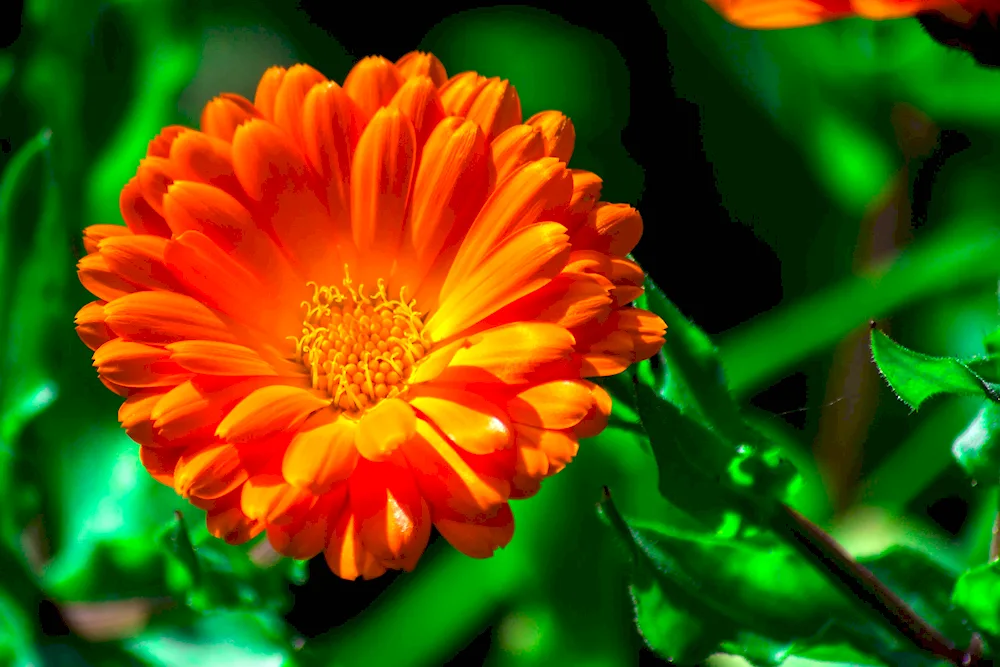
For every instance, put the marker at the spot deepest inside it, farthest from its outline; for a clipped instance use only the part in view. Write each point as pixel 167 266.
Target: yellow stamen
pixel 360 348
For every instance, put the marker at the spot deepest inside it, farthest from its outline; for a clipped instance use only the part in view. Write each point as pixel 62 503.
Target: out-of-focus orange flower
pixel 344 314
pixel 793 13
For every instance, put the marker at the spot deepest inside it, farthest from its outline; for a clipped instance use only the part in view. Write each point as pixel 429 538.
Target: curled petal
pixel 296 84
pixel 496 108
pixel 269 410
pixel 394 518
pixel 372 83
pixel 551 405
pixel 418 99
pixel 267 90
pixel 480 538
pixel 346 555
pixel 226 520
pixel 597 418
pixel 223 114
pixel 94 234
pixel 460 91
pixel 321 453
pixel 558 133
pixel 90 326
pixel 515 147
pixel 418 63
pixel 469 421
pixel 139 216
pixel 384 427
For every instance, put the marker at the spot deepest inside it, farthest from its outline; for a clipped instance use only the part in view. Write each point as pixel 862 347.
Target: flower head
pixel 344 314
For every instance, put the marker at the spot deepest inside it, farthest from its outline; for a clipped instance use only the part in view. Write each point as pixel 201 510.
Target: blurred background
pixel 794 185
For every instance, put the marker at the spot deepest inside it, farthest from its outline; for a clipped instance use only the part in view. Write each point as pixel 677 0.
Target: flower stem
pixel 860 582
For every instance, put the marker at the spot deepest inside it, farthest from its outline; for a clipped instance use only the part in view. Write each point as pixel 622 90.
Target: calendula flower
pixel 793 13
pixel 344 314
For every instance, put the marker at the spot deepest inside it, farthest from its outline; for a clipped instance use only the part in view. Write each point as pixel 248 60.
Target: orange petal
pixel 383 428
pixel 792 13
pixel 447 479
pixel 164 317
pixel 207 357
pixel 586 193
pixel 116 388
pixel 371 83
pixel 98 278
pixel 478 539
pixel 418 63
pixel 467 420
pixel 207 210
pixel 139 260
pixel 628 278
pixel 645 328
pixel 321 453
pixel 597 418
pixel 516 203
pixel 160 463
pixel 90 326
pixel 513 353
pixel 346 555
pixel 451 185
pixel 267 90
pixel 558 133
pixel 136 365
pixel 394 518
pixel 216 279
pixel 569 300
pixel 331 127
pixel 418 99
pixel 195 408
pixel 381 176
pixel 309 533
pixel 138 407
pixel 94 234
pixel 610 228
pixel 209 471
pixel 198 157
pixel 139 216
pixel 268 498
pixel 298 81
pixel 223 114
pixel 274 173
pixel 226 520
pixel 160 145
pixel 269 410
pixel 552 405
pixel 559 446
pixel 460 91
pixel 155 176
pixel 610 355
pixel 496 108
pixel 436 361
pixel 515 147
pixel 531 467
pixel 524 262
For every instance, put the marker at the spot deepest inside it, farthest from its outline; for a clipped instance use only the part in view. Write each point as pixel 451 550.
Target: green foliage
pixel 977 593
pixel 916 377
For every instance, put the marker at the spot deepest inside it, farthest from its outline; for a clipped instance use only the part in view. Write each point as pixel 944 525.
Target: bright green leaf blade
pixel 977 448
pixel 673 622
pixel 692 377
pixel 977 593
pixel 16 634
pixel 916 377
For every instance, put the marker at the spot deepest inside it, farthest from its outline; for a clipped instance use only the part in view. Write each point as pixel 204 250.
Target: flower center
pixel 360 348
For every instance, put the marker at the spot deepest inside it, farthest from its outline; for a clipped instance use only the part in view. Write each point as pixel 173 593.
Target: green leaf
pixel 16 635
pixel 977 448
pixel 673 622
pixel 215 640
pixel 175 537
pixel 916 377
pixel 977 593
pixel 691 376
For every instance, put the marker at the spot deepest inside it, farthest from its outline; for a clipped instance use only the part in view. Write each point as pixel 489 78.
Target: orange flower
pixel 793 13
pixel 343 314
